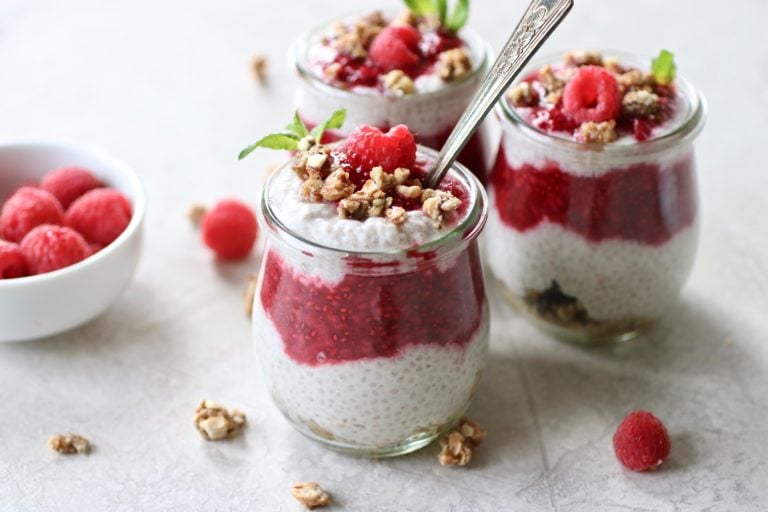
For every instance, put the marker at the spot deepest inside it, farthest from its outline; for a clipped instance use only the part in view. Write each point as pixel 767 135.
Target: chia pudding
pixel 370 319
pixel 388 70
pixel 593 220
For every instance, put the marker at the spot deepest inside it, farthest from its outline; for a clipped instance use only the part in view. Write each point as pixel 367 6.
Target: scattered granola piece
pixel 214 421
pixel 353 209
pixel 453 64
pixel 641 103
pixel 337 186
pixel 195 213
pixel 634 78
pixel 549 80
pixel 472 431
pixel 69 443
pixel 601 133
pixel 311 495
pixel 523 95
pixel 401 174
pixel 332 71
pixel 259 68
pixel 312 162
pixel 435 203
pixel 583 58
pixel 406 17
pixel 613 65
pixel 410 192
pixel 398 83
pixel 311 189
pixel 396 215
pixel 250 294
pixel 458 445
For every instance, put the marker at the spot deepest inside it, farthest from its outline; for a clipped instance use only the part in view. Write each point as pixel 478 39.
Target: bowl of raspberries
pixel 70 236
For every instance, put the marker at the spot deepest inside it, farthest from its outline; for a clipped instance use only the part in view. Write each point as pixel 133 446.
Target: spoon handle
pixel 539 21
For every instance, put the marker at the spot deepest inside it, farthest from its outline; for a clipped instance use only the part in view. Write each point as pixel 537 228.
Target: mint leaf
pixel 334 122
pixel 287 141
pixel 442 11
pixel 663 68
pixel 459 16
pixel 297 126
pixel 421 7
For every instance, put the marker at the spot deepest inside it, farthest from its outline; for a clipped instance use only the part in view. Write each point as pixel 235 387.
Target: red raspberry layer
pixel 365 317
pixel 641 203
pixel 48 248
pixel 230 229
pixel 592 95
pixel 367 147
pixel 100 215
pixel 641 442
pixel 12 261
pixel 26 209
pixel 69 183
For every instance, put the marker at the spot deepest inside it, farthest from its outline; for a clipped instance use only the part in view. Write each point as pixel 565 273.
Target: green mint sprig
pixel 663 68
pixel 296 131
pixel 451 21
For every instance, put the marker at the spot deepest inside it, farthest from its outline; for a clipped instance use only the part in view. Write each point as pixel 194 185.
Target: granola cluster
pixel 636 91
pixel 458 445
pixel 353 39
pixel 214 421
pixel 324 180
pixel 69 444
pixel 311 495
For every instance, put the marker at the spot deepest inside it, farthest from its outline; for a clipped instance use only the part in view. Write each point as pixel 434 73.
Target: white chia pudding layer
pixel 372 403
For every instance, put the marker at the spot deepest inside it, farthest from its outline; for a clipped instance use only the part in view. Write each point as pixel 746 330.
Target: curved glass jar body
pixel 372 353
pixel 430 116
pixel 594 242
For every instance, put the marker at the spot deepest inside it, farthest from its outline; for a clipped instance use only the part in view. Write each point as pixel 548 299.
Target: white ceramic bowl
pixel 47 304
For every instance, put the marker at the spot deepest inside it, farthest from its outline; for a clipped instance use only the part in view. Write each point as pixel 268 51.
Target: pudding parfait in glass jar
pixel 370 318
pixel 420 69
pixel 594 219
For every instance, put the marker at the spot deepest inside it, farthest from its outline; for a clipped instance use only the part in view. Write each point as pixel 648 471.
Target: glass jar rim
pixel 687 128
pixel 298 53
pixel 454 239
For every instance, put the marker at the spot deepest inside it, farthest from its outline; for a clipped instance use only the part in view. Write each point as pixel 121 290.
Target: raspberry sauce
pixel 640 203
pixel 373 316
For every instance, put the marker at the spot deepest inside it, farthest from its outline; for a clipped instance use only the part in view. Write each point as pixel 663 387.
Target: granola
pixel 69 444
pixel 459 444
pixel 259 68
pixel 601 133
pixel 311 495
pixel 641 103
pixel 214 421
pixel 453 64
pixel 398 83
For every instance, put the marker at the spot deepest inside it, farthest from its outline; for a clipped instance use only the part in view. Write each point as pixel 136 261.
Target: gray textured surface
pixel 166 85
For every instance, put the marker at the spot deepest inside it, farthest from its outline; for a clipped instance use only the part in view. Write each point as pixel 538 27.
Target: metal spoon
pixel 540 19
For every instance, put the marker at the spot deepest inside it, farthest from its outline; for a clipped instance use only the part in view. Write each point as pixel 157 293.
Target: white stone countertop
pixel 166 85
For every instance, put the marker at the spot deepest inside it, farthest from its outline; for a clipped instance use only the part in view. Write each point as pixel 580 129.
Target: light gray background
pixel 166 86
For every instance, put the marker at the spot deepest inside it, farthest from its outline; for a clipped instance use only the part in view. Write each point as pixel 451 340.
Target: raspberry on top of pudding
pixel 595 99
pixel 363 193
pixel 417 51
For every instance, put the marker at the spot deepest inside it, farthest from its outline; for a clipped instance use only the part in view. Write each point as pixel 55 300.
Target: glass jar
pixel 430 116
pixel 372 353
pixel 594 242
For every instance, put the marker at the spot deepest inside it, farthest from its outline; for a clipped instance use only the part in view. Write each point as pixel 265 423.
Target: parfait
pixel 370 318
pixel 593 222
pixel 420 69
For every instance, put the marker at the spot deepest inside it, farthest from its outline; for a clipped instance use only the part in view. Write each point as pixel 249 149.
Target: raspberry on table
pixel 367 147
pixel 641 442
pixel 48 248
pixel 69 183
pixel 396 47
pixel 12 261
pixel 100 215
pixel 26 209
pixel 229 229
pixel 592 95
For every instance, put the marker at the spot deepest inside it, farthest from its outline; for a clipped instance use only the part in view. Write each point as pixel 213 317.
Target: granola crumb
pixel 550 81
pixel 69 444
pixel 398 83
pixel 459 444
pixel 641 103
pixel 337 186
pixel 600 133
pixel 311 495
pixel 396 215
pixel 249 295
pixel 435 203
pixel 214 421
pixel 195 213
pixel 453 64
pixel 583 58
pixel 259 68
pixel 634 78
pixel 523 95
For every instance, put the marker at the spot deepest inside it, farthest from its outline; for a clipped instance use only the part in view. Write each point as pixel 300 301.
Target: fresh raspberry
pixel 48 248
pixel 641 442
pixel 367 147
pixel 69 183
pixel 26 209
pixel 12 261
pixel 229 228
pixel 100 215
pixel 396 47
pixel 592 95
